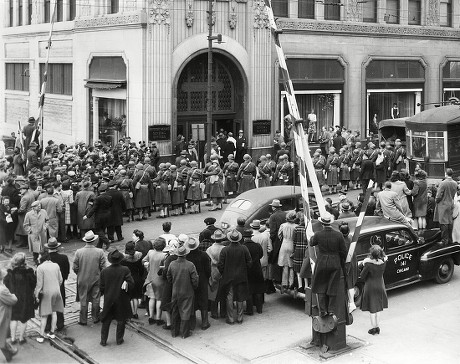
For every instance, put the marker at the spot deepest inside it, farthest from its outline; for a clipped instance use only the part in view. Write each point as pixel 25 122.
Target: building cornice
pixel 367 29
pixel 115 20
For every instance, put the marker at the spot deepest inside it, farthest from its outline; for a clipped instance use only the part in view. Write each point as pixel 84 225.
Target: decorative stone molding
pixel 367 29
pixel 108 21
pixel 85 8
pixel 189 16
pixel 159 12
pixel 260 15
pixel 432 16
pixel 354 10
pixel 232 16
pixel 130 5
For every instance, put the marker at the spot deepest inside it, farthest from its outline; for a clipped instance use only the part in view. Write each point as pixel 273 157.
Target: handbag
pixel 138 184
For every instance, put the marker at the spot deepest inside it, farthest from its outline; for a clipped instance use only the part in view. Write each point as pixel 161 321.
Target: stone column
pixel 293 9
pixel 403 12
pixel 381 11
pixel 337 109
pixel 38 13
pixel 418 100
pixel 25 12
pixel 66 10
pixel 15 13
pixel 319 11
pixel 95 118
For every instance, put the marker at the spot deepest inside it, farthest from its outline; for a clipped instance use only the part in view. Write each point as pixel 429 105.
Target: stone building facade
pixel 142 64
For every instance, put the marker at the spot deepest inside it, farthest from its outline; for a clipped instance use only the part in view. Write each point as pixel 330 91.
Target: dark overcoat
pixel 275 221
pixel 202 264
pixel 63 262
pixel 111 281
pixel 234 263
pixel 445 201
pixel 332 252
pixel 255 276
pixel 118 207
pixel 102 210
pixel 21 281
pixel 183 277
pixel 367 170
pixel 419 192
pixel 300 247
pixel 167 287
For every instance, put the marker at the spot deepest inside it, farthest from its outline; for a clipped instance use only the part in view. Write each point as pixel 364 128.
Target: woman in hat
pixel 344 162
pixel 162 190
pixel 133 260
pixel 286 235
pixel 216 185
pixel 67 198
pixel 154 282
pixel 48 292
pixel 300 254
pixel 7 301
pixel 194 192
pixel 230 170
pixel 420 199
pixel 8 222
pixel 218 238
pixel 142 199
pixel 351 268
pixel 84 200
pixel 374 294
pixel 177 192
pixel 202 264
pixel 170 251
pixel 246 174
pixel 21 281
pixel 332 169
pixel 127 190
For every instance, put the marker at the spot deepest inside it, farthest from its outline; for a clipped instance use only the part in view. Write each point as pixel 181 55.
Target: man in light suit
pixel 445 206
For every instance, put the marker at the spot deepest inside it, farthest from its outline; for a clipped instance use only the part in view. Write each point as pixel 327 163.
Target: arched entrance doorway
pixel 228 98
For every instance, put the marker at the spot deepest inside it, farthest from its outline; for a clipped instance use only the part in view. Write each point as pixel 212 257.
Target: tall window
pixel 114 6
pixel 59 10
pixel 47 11
pixel 414 12
pixel 332 10
pixel 392 12
pixel 11 13
pixel 20 14
pixel 73 9
pixel 307 9
pixel 29 21
pixel 59 78
pixel 280 8
pixel 370 11
pixel 16 76
pixel 445 13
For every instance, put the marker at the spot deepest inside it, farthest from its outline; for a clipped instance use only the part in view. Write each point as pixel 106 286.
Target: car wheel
pixel 358 295
pixel 445 270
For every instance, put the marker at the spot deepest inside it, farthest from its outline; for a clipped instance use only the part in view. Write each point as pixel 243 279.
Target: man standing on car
pixel 445 205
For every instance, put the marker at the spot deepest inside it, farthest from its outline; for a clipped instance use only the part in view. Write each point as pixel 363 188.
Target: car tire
pixel 444 270
pixel 358 294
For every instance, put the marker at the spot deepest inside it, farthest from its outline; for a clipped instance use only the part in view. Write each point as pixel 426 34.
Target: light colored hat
pixel 183 238
pixel 90 237
pixel 276 203
pixel 234 236
pixel 182 251
pixel 326 219
pixel 192 244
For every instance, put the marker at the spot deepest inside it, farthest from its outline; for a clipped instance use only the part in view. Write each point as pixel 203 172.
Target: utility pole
pixel 209 93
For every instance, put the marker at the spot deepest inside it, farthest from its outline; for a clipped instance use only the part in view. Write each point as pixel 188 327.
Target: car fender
pixel 429 258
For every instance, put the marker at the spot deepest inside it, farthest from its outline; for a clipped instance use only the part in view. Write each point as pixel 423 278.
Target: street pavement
pixel 420 325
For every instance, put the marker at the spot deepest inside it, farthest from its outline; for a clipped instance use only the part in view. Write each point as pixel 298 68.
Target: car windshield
pixel 241 204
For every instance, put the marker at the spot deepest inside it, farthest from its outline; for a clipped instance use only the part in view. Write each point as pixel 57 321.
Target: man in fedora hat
pixel 28 131
pixel 25 205
pixel 205 236
pixel 63 262
pixel 331 260
pixel 218 238
pixel 102 211
pixel 183 277
pixel 202 263
pixel 118 208
pixel 346 211
pixel 115 283
pixel 266 244
pixel 32 157
pixel 255 275
pixel 87 265
pixel 234 263
pixel 277 218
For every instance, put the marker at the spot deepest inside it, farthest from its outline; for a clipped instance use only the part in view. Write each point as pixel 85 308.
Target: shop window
pixel 414 12
pixel 370 11
pixel 428 145
pixel 280 8
pixel 419 144
pixel 47 9
pixel 59 10
pixel 307 9
pixel 11 14
pixel 107 68
pixel 392 12
pixel 114 6
pixel 445 13
pixel 16 76
pixel 436 145
pixel 306 70
pixel 59 78
pixel 451 70
pixel 332 10
pixel 393 69
pixel 73 9
pixel 29 13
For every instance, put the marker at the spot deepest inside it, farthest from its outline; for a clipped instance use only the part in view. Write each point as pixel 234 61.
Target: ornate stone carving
pixel 189 16
pixel 354 10
pixel 130 5
pixel 432 16
pixel 232 16
pixel 367 29
pixel 108 21
pixel 159 12
pixel 260 15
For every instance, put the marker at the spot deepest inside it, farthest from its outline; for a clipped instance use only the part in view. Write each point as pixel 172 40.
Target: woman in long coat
pixel 84 200
pixel 170 256
pixel 21 281
pixel 177 192
pixel 265 172
pixel 162 190
pixel 202 264
pixel 7 300
pixel 319 162
pixel 49 280
pixel 154 282
pixel 300 244
pixel 133 260
pixel 332 168
pixel 374 293
pixel 246 174
pixel 351 267
pixel 142 199
pixel 401 189
pixel 256 281
pixel 216 185
pixel 344 161
pixel 67 198
pixel 194 193
pixel 230 170
pixel 286 234
pixel 218 238
pixel 8 221
pixel 127 190
pixel 420 198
